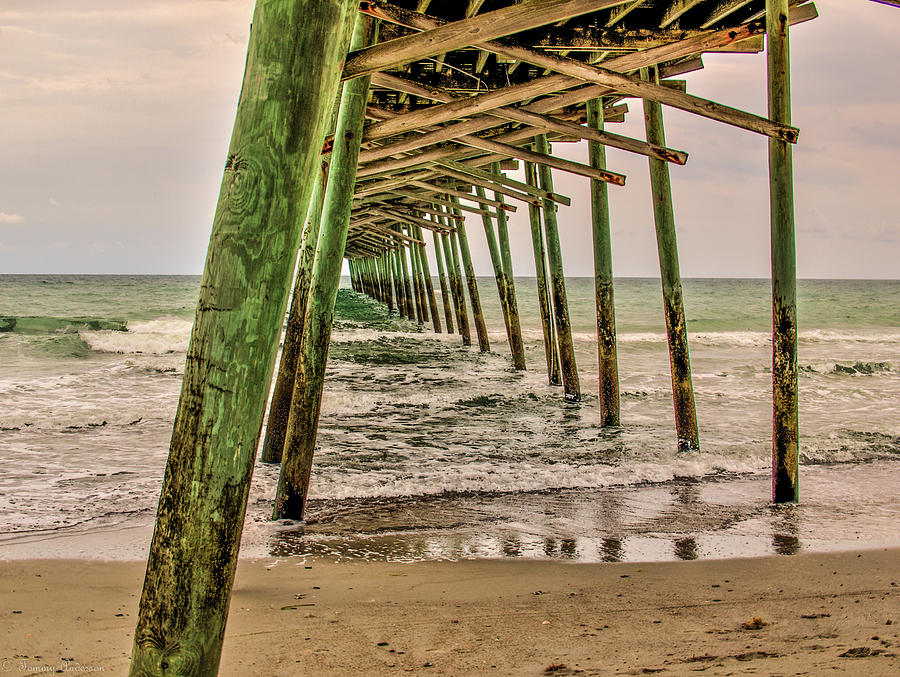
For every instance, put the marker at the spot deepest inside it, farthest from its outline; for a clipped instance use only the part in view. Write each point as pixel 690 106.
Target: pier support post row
pixel 300 438
pixel 463 317
pixel 571 385
pixel 429 284
pixel 442 279
pixel 398 283
pixel 292 72
pixel 667 245
pixel 785 416
pixel 540 266
pixel 280 406
pixel 484 344
pixel 603 277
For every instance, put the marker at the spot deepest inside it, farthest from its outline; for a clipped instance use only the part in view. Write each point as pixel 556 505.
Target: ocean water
pixel 431 450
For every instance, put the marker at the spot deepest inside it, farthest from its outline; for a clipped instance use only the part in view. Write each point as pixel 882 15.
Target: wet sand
pixel 806 614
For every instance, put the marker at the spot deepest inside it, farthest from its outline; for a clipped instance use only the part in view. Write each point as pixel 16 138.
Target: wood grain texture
pixel 290 81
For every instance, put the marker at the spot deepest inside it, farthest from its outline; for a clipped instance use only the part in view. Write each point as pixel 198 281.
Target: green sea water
pixel 414 425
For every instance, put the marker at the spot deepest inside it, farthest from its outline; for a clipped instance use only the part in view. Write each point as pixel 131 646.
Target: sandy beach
pixel 807 614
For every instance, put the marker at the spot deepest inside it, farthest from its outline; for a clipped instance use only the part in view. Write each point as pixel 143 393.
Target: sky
pixel 115 120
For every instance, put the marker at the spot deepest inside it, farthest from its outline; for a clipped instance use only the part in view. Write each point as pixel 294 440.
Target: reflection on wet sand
pixel 684 520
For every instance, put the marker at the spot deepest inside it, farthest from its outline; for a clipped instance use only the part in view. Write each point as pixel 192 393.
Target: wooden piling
pixel 540 266
pixel 785 399
pixel 603 277
pixel 296 464
pixel 667 245
pixel 398 283
pixel 418 296
pixel 420 271
pixel 571 385
pixel 515 329
pixel 499 274
pixel 388 281
pixel 484 344
pixel 429 284
pixel 442 279
pixel 291 77
pixel 412 306
pixel 463 318
pixel 280 406
pixel 451 278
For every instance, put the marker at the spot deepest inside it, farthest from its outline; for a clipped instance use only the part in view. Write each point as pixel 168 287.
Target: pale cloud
pixel 5 217
pixel 122 111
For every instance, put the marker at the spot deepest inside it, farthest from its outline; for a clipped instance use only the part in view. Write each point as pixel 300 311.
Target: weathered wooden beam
pixel 446 190
pixel 675 9
pixel 289 84
pixel 435 200
pixel 624 63
pixel 551 351
pixel 571 385
pixel 460 34
pixel 630 85
pixel 785 394
pixel 652 91
pixel 678 68
pixel 496 187
pixel 688 438
pixel 608 369
pixel 541 123
pixel 548 160
pixel 502 179
pixel 300 438
pixel 721 10
pixel 620 12
pixel 407 218
pixel 384 230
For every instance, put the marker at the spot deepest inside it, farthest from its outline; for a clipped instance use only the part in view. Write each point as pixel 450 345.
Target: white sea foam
pixel 159 336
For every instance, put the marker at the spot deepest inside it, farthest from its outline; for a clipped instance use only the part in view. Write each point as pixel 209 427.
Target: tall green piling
pixel 673 303
pixel 415 259
pixel 458 292
pixel 293 64
pixel 484 345
pixel 398 283
pixel 280 406
pixel 296 463
pixel 785 397
pixel 442 279
pixel 603 277
pixel 571 385
pixel 452 281
pixel 540 266
pixel 412 305
pixel 388 281
pixel 429 284
pixel 515 329
pixel 499 272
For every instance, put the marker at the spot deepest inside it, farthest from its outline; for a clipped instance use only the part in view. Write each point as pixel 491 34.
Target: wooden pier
pixel 360 126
